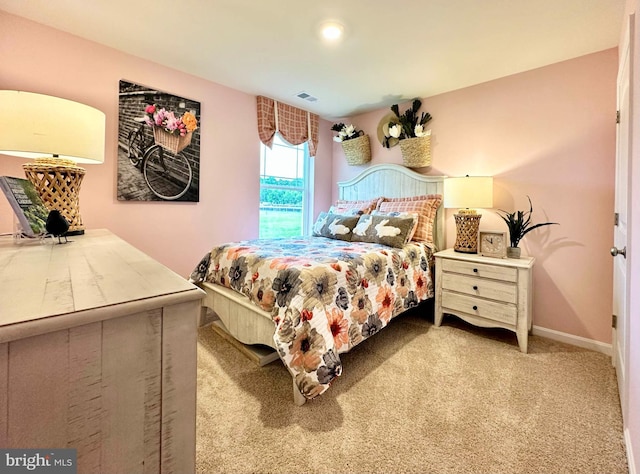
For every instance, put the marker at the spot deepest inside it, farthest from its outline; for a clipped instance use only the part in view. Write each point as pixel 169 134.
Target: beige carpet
pixel 415 398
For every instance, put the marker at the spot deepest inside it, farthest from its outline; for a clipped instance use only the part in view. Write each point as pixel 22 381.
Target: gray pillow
pixel 335 226
pixel 381 229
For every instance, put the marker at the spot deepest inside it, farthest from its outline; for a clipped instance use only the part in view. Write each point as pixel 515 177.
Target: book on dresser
pixel 26 204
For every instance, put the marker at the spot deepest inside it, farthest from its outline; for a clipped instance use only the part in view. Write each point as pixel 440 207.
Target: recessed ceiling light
pixel 331 31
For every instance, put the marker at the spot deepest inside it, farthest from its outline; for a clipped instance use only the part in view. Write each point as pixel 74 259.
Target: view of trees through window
pixel 283 189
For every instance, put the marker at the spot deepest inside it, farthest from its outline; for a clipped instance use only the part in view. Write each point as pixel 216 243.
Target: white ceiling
pixel 392 50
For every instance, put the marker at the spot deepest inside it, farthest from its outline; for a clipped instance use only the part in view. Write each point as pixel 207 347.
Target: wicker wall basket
pixel 172 142
pixel 357 150
pixel 416 152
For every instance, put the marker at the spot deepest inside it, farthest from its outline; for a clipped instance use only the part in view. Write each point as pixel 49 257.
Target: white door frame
pixel 621 286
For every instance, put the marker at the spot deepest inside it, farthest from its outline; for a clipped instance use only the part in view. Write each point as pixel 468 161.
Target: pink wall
pixel 550 134
pixel 39 59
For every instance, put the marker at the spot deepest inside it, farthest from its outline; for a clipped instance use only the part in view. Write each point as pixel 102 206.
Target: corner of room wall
pixel 547 134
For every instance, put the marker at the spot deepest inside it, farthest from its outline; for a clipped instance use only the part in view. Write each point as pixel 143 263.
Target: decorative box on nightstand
pixel 486 291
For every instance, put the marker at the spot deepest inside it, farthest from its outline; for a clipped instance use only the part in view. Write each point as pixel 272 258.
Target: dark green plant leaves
pixel 519 223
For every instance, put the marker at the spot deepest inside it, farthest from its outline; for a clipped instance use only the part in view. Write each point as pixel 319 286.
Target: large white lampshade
pixel 58 134
pixel 467 194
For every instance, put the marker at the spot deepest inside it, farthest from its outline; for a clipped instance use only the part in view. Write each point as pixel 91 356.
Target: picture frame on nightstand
pixel 492 243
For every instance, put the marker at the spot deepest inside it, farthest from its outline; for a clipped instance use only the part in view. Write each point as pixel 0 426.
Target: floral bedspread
pixel 324 295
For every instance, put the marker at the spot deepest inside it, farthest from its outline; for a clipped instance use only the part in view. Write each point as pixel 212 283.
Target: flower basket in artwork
pixel 170 132
pixel 357 151
pixel 416 152
pixel 172 142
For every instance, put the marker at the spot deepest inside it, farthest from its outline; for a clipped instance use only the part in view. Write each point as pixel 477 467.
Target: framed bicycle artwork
pixel 158 145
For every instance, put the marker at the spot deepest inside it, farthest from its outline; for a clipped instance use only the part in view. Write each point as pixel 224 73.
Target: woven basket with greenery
pixel 357 150
pixel 416 152
pixel 171 141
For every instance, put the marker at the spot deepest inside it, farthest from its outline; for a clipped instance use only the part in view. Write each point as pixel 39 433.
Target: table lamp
pixel 467 194
pixel 58 134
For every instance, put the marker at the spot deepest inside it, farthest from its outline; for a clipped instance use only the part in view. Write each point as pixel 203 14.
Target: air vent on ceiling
pixel 307 97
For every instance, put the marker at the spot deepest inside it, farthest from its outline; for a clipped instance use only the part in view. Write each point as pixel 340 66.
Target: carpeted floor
pixel 415 398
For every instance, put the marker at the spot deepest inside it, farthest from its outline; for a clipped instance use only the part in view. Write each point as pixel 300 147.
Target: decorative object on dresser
pixel 355 143
pixel 466 194
pixel 58 133
pixel 57 225
pixel 486 292
pixel 492 243
pixel 31 214
pixel 408 130
pixel 98 353
pixel 519 225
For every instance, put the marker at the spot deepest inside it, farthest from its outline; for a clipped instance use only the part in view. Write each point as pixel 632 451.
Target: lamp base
pixel 467 232
pixel 58 184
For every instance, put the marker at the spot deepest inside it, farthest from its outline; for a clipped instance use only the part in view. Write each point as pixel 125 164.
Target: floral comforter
pixel 324 295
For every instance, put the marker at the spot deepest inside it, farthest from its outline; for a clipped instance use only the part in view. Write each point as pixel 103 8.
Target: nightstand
pixel 485 291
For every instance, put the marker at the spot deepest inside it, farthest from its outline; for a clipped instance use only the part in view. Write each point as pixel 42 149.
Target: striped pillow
pixel 425 206
pixel 364 206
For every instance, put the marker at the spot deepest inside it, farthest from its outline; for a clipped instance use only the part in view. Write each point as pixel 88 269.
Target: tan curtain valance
pixel 295 125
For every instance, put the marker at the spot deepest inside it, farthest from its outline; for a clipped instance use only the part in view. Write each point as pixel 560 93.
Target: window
pixel 286 190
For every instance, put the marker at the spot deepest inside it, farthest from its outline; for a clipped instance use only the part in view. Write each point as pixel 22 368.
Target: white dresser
pixel 98 353
pixel 485 291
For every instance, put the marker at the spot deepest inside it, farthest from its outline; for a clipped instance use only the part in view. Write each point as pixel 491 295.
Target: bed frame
pixel 250 325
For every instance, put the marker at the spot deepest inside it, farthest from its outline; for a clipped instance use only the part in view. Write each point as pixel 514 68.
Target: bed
pixel 313 298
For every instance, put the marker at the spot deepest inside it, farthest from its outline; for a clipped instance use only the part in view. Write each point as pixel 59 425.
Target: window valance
pixel 295 125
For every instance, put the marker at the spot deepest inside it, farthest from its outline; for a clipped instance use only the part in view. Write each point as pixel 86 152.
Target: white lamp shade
pixel 37 125
pixel 473 192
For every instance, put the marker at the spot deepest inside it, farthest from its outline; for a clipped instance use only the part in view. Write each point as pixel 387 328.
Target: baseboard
pixel 627 444
pixel 573 340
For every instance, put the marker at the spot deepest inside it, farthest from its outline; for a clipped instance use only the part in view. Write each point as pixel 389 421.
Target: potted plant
pixel 408 130
pixel 355 143
pixel 519 224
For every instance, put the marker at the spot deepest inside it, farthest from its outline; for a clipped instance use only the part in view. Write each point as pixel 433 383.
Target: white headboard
pixel 391 180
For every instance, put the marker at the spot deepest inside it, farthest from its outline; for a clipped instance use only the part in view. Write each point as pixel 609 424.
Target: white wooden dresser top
pixel 97 276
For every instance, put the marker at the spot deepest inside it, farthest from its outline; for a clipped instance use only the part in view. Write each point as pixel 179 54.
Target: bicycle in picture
pixel 165 168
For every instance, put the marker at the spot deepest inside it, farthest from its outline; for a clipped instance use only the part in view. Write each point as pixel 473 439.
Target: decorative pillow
pixel 355 207
pixel 320 222
pixel 335 226
pixel 425 206
pixel 413 215
pixel 380 229
pixel 343 211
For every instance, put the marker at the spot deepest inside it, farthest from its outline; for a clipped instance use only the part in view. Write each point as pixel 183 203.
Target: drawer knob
pixel 475 308
pixel 475 270
pixel 475 287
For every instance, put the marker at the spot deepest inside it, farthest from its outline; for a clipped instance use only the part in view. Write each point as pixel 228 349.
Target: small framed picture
pixel 492 243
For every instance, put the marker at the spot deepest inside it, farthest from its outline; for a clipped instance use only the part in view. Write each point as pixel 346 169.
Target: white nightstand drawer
pixel 495 290
pixel 481 270
pixel 506 313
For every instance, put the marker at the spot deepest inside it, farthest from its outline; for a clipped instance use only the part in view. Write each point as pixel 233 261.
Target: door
pixel 622 176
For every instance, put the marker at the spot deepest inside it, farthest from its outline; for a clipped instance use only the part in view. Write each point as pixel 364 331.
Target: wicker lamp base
pixel 58 184
pixel 467 232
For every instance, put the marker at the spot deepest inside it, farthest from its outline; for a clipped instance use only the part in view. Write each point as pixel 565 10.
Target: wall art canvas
pixel 158 145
